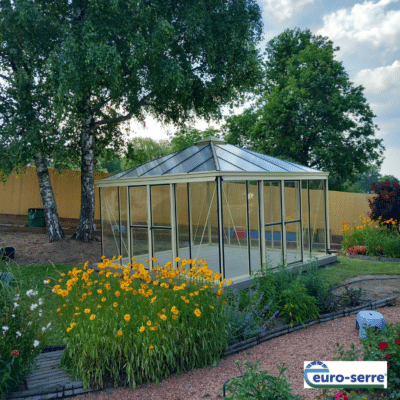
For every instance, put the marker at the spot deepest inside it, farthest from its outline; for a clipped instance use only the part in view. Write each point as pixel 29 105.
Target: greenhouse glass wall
pixel 237 209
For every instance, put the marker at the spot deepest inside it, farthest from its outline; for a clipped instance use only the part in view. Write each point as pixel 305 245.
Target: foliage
pixel 376 240
pixel 259 385
pixel 250 320
pixel 139 326
pixel 23 329
pixel 357 250
pixel 141 150
pixel 385 206
pixel 297 114
pixel 379 344
pixel 187 137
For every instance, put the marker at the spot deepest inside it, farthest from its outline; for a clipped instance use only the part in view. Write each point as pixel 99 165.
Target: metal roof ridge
pixel 216 163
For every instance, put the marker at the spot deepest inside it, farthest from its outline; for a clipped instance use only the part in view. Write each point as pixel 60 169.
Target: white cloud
pixel 364 23
pixel 391 164
pixel 283 9
pixel 379 79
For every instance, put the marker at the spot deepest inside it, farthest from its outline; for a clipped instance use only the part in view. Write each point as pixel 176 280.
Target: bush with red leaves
pixel 385 207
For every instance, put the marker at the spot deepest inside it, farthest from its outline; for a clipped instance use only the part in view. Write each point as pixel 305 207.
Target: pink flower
pixel 15 353
pixel 341 395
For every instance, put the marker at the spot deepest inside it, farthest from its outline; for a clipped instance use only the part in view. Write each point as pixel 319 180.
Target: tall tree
pixel 170 59
pixel 310 111
pixel 142 150
pixel 186 137
pixel 28 129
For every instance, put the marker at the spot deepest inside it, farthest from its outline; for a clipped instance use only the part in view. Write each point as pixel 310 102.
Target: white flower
pixel 16 298
pixel 44 329
pixel 40 302
pixel 33 306
pixel 13 315
pixel 48 325
pixel 46 282
pixel 35 343
pixel 15 305
pixel 18 333
pixel 53 290
pixel 40 313
pixel 5 328
pixel 29 323
pixel 30 293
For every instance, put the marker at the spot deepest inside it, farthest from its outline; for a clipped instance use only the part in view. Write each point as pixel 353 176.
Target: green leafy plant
pixel 380 344
pixel 296 305
pixel 143 326
pixel 259 385
pixel 21 331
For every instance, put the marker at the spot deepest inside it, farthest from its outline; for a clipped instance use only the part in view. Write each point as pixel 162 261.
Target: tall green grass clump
pixel 143 326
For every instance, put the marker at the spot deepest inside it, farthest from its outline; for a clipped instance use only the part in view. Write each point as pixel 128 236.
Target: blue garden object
pixel 6 277
pixel 369 318
pixel 116 227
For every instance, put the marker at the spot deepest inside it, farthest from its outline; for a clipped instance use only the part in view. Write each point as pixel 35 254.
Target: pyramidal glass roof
pixel 211 154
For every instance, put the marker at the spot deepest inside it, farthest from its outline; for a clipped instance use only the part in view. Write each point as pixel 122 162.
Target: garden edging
pixel 283 330
pixel 75 388
pixel 369 258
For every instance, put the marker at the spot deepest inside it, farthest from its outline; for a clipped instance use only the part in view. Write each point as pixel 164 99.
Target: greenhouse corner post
pixel 301 220
pixel 309 218
pixel 327 228
pixel 283 219
pixel 149 226
pixel 220 228
pixel 248 228
pixel 261 217
pixel 172 195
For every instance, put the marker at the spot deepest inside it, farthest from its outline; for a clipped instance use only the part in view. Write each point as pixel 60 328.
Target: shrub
pixel 22 332
pixel 144 326
pixel 385 207
pixel 357 250
pixel 259 385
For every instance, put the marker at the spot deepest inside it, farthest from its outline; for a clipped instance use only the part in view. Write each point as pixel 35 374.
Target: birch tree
pixel 170 59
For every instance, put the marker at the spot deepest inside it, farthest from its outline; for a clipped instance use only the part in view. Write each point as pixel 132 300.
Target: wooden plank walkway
pixel 48 381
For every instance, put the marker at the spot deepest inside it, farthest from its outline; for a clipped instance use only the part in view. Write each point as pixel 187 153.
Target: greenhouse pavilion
pixel 237 209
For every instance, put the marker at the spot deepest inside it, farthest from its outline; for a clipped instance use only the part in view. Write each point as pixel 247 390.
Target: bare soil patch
pixel 35 248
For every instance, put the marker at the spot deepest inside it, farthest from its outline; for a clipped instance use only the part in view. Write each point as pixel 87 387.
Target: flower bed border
pixel 369 258
pixel 75 388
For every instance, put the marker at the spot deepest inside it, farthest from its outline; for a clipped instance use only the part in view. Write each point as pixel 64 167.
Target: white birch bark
pixel 53 225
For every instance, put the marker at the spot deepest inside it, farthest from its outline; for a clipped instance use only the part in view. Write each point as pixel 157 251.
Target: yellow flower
pixel 164 310
pixel 197 312
pixel 177 259
pixel 87 310
pixel 142 328
pixel 98 306
pixel 115 304
pixel 119 333
pixel 212 307
pixel 186 301
pixel 153 328
pixel 127 317
pixel 163 317
pixel 92 317
pixel 229 282
pixel 174 317
pixel 58 309
pixel 148 323
pixel 117 293
pixel 151 347
pixel 103 299
pixel 99 291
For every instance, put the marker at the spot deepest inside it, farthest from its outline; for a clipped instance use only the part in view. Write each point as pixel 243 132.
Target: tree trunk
pixel 84 232
pixel 54 228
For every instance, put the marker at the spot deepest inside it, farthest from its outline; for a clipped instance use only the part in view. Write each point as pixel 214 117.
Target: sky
pixel 368 34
